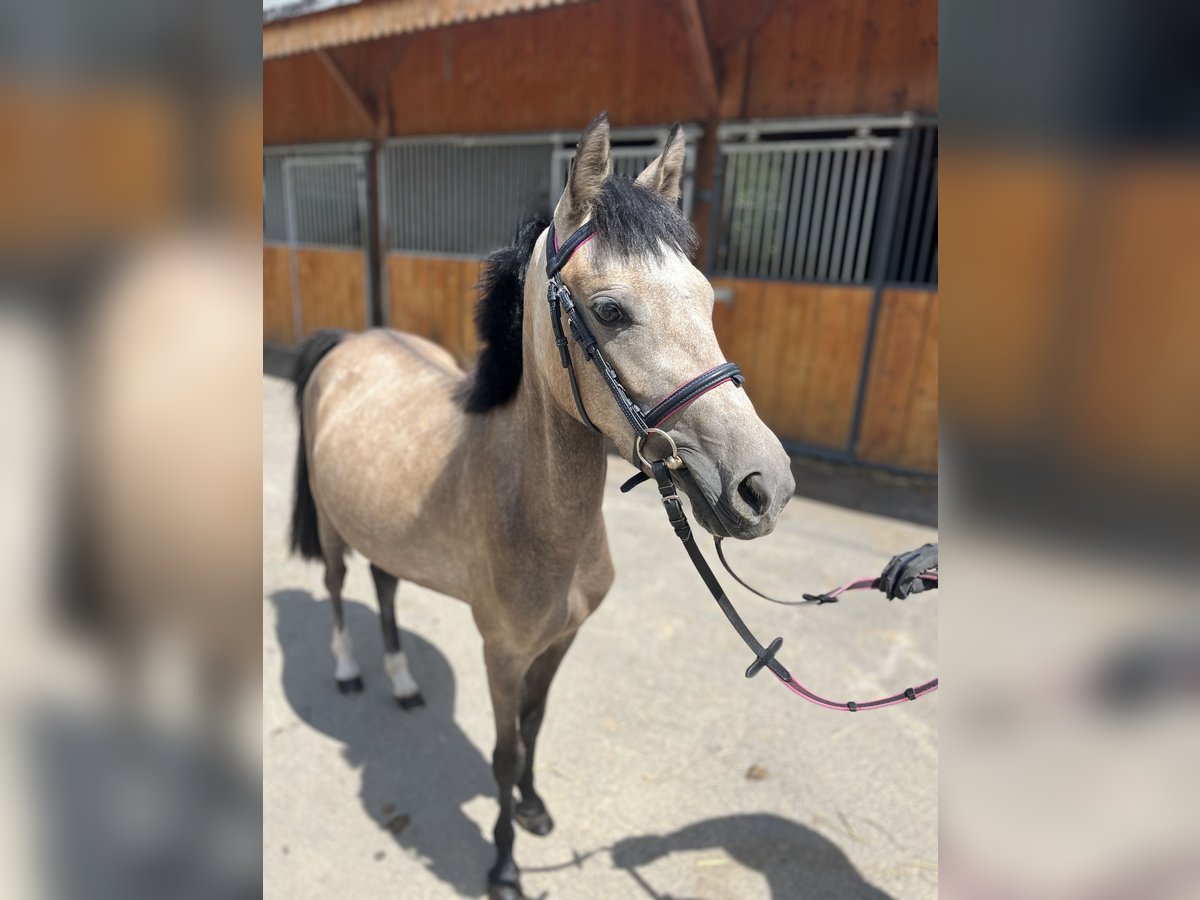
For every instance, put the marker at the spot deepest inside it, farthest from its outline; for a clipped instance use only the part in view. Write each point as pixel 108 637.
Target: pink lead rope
pixel 850 706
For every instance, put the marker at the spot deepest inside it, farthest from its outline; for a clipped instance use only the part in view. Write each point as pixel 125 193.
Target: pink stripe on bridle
pixel 685 404
pixel 554 241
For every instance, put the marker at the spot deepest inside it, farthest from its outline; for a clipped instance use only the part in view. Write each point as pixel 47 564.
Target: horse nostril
pixel 753 490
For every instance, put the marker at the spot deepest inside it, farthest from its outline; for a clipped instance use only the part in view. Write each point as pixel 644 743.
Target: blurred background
pixel 132 188
pixel 130 281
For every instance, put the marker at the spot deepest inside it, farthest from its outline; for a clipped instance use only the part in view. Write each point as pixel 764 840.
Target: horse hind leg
pixel 346 671
pixel 395 663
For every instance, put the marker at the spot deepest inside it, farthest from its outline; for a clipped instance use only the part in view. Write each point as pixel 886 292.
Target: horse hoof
pixel 504 883
pixel 411 702
pixel 534 819
pixel 351 685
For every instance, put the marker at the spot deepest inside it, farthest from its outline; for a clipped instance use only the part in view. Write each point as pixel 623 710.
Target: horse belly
pixel 383 461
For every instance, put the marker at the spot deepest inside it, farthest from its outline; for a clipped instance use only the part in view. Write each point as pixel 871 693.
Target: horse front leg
pixel 505 677
pixel 531 812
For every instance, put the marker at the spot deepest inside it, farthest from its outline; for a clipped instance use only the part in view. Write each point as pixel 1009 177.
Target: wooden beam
pixel 340 79
pixel 706 74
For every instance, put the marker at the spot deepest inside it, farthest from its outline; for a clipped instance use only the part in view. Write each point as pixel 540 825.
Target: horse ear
pixel 589 168
pixel 665 173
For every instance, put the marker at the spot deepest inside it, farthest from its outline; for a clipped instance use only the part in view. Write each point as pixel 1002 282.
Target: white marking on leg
pixel 403 684
pixel 343 652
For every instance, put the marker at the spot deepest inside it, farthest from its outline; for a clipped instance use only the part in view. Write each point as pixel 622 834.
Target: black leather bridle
pixel 646 424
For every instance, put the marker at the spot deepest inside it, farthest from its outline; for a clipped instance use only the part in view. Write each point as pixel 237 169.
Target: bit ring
pixel 673 460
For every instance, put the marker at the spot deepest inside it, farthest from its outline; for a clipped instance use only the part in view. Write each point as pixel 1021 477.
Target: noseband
pixel 646 424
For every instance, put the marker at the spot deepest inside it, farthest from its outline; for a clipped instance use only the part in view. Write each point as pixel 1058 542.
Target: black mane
pixel 631 220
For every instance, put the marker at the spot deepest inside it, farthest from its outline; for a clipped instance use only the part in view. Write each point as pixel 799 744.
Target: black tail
pixel 305 540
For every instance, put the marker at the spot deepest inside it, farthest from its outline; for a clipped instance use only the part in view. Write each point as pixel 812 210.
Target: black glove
pixel 902 576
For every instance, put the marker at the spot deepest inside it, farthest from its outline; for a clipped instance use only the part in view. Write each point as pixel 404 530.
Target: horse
pixel 487 487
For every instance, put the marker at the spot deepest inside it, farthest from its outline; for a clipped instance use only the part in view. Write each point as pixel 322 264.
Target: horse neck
pixel 558 461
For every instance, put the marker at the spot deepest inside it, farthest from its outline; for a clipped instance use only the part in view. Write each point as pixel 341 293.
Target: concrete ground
pixel 668 773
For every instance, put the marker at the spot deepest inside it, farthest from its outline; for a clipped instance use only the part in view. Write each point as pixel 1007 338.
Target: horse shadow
pixel 417 769
pixel 797 862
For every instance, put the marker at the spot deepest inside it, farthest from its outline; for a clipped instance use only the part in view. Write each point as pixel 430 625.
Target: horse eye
pixel 607 311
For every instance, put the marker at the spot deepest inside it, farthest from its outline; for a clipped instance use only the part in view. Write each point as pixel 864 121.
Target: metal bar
pixel 831 201
pixel 832 144
pixel 343 147
pixel 753 127
pixel 290 212
pixel 906 200
pixel 383 213
pixel 746 212
pixel 879 275
pixel 364 227
pixel 845 199
pixel 869 211
pixel 861 165
pixel 917 208
pixel 783 194
pixel 811 164
pixel 762 178
pixel 811 259
pixel 769 213
pixel 562 139
pixel 923 273
pixel 795 186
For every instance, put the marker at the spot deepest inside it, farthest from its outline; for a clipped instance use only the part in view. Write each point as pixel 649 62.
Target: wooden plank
pixel 434 297
pixel 896 358
pixel 794 421
pixel 829 58
pixel 702 59
pixel 333 289
pixel 774 347
pixel 840 327
pixel 369 119
pixel 921 433
pixel 278 318
pixel 471 272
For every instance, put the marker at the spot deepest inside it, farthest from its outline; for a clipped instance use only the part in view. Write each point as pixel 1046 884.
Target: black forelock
pixel 633 220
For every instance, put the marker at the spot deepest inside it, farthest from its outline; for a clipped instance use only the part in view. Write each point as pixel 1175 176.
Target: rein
pixel 646 424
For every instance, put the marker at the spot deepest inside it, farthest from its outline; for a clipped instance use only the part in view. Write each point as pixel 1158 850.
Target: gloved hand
pixel 902 576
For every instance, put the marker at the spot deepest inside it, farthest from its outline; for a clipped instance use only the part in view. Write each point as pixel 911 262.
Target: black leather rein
pixel 646 424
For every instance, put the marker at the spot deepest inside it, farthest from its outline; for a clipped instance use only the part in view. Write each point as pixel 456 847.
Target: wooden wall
pixel 900 409
pixel 435 298
pixel 800 346
pixel 555 69
pixel 332 286
pixel 279 321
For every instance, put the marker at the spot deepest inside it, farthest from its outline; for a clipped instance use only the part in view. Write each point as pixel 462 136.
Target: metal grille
pixel 632 150
pixel 312 197
pixel 457 196
pixel 467 195
pixel 915 245
pixel 804 200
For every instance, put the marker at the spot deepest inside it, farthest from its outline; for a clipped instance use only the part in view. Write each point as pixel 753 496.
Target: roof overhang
pixel 367 21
